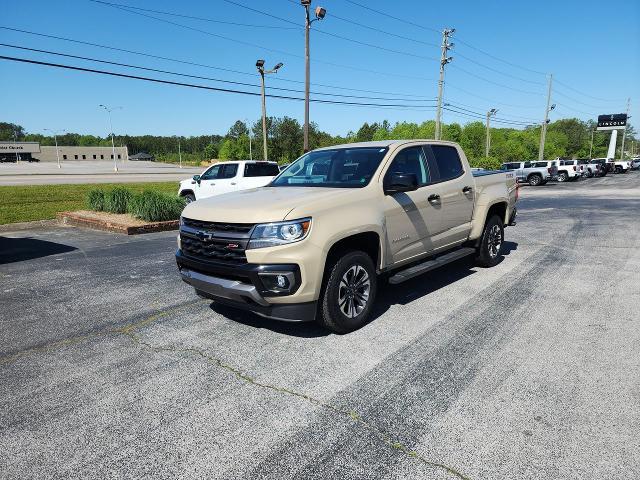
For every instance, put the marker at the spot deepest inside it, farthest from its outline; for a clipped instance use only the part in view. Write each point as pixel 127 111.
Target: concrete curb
pixel 79 220
pixel 14 227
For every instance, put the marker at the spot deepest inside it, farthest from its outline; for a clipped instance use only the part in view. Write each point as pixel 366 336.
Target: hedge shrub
pixel 95 200
pixel 154 206
pixel 117 200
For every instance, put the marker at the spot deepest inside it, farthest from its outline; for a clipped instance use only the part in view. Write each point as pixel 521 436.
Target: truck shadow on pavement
pixel 21 249
pixel 388 295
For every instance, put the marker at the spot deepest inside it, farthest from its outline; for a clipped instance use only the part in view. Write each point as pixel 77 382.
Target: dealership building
pixel 26 151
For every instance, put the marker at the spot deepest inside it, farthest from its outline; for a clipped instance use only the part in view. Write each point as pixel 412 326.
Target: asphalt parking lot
pixel 110 366
pixel 96 171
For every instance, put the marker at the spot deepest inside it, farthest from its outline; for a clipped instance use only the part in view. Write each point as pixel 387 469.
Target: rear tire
pixel 348 293
pixel 563 177
pixel 535 180
pixel 488 251
pixel 618 169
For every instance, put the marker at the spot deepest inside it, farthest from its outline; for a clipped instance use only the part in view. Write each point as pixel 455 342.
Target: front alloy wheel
pixel 348 292
pixel 353 292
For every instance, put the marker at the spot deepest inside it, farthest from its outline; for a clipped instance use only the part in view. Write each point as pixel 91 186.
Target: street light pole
pixel 179 153
pixel 263 72
pixel 55 139
pixel 591 146
pixel 320 14
pixel 113 145
pixel 15 140
pixel 490 114
pixel 624 132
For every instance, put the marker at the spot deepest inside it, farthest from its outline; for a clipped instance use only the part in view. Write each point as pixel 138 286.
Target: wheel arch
pixel 368 242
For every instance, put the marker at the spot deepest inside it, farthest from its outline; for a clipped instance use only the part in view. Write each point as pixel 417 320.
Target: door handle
pixel 233 183
pixel 467 189
pixel 433 198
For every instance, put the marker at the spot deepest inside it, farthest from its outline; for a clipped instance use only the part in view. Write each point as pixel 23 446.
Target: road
pixel 97 171
pixel 111 367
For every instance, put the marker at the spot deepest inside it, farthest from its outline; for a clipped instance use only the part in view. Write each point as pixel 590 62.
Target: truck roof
pixel 386 143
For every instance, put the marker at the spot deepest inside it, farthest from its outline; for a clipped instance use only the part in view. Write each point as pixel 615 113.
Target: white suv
pixel 568 170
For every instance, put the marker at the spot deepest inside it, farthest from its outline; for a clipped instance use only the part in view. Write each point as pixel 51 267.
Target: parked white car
pixel 225 177
pixel 635 163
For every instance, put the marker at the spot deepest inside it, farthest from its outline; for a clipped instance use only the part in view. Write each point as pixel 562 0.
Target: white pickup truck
pixel 225 177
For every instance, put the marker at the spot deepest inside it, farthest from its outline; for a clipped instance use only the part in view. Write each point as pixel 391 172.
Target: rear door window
pixel 228 170
pixel 444 162
pixel 261 170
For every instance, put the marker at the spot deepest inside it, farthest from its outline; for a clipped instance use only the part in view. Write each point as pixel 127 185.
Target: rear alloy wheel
pixel 618 169
pixel 563 176
pixel 535 180
pixel 488 252
pixel 348 293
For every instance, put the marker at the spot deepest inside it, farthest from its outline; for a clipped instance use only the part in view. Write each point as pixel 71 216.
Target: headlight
pixel 280 233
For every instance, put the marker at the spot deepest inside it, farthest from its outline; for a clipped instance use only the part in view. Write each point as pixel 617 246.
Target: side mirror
pixel 401 182
pixel 196 179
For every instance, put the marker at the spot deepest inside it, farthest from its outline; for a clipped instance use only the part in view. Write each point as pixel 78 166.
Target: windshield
pixel 337 168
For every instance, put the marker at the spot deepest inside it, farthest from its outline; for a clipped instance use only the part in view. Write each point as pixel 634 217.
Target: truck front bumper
pixel 248 287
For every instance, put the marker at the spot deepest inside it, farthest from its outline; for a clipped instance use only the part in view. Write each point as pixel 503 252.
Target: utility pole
pixel 591 147
pixel 320 14
pixel 624 132
pixel 263 72
pixel 543 132
pixel 444 59
pixel 490 114
pixel 179 153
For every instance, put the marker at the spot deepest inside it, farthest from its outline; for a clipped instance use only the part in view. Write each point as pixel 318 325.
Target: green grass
pixel 42 202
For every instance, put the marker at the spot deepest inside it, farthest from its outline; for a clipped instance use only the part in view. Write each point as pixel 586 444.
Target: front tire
pixel 488 252
pixel 189 197
pixel 348 293
pixel 535 180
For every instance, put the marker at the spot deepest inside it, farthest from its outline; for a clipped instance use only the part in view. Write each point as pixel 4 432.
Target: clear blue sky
pixel 592 47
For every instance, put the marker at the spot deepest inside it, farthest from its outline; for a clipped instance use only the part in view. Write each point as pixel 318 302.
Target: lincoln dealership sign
pixel 19 147
pixel 612 121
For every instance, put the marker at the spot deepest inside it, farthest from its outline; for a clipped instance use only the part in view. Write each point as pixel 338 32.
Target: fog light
pixel 277 282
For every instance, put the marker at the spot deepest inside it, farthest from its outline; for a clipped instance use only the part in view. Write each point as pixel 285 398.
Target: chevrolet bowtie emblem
pixel 204 235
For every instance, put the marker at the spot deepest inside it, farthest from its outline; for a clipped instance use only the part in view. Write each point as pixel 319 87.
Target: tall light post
pixel 113 145
pixel 591 146
pixel 263 72
pixel 55 138
pixel 320 14
pixel 246 120
pixel 543 132
pixel 179 153
pixel 15 140
pixel 490 114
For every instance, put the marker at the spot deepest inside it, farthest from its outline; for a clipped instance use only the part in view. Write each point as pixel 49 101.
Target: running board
pixel 424 267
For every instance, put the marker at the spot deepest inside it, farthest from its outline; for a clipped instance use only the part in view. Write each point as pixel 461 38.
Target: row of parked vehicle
pixel 537 173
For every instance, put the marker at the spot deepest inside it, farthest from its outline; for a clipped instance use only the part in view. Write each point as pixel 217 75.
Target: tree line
pixel 570 138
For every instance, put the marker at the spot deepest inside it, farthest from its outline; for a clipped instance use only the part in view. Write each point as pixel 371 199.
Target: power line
pixel 196 76
pixel 262 47
pixel 491 101
pixel 204 19
pixel 511 116
pixel 366 7
pixel 190 85
pixel 481 115
pixel 578 101
pixel 498 58
pixel 495 83
pixel 589 96
pixel 185 62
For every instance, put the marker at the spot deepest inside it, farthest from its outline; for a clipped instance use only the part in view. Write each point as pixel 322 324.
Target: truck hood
pixel 259 205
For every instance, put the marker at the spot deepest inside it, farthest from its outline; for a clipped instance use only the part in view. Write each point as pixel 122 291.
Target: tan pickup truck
pixel 316 241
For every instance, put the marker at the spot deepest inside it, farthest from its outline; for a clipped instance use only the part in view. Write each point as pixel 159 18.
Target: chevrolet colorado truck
pixel 315 242
pixel 225 177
